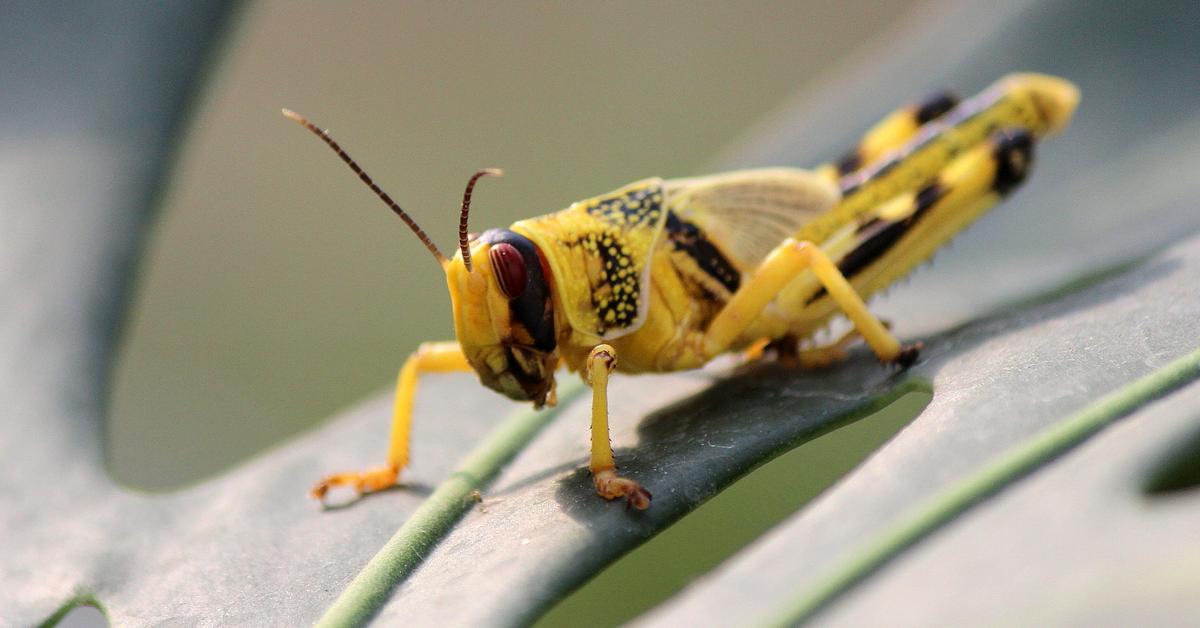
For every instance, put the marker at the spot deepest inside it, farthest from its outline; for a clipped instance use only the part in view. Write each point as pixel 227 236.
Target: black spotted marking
pixel 1013 153
pixel 533 308
pixel 641 206
pixel 690 239
pixel 616 293
pixel 881 235
pixel 935 106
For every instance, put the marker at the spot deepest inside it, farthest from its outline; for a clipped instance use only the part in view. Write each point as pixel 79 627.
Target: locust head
pixel 503 310
pixel 500 291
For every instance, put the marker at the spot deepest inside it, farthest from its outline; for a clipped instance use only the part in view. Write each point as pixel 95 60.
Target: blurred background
pixel 277 289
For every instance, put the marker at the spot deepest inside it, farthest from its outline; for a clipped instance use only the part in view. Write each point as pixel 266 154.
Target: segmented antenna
pixel 412 224
pixel 463 245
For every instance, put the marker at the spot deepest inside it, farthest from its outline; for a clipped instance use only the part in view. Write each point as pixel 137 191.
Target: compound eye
pixel 509 268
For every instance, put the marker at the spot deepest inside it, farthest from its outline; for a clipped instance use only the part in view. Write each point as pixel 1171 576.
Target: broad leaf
pixel 243 548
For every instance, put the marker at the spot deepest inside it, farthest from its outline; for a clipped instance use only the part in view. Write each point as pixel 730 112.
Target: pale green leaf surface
pixel 92 105
pixel 998 384
pixel 1087 545
pixel 1110 189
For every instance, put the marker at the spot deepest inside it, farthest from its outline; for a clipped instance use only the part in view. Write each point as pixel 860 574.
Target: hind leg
pixel 890 133
pixel 779 268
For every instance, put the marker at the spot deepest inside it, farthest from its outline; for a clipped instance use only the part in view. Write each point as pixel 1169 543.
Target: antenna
pixel 412 224
pixel 463 245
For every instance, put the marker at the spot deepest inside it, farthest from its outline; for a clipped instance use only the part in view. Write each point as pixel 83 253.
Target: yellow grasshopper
pixel 665 275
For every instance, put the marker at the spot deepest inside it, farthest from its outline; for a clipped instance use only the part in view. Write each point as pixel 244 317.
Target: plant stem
pixel 1010 466
pixel 405 551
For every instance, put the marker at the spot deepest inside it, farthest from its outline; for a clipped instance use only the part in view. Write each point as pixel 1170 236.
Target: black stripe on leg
pixel 849 164
pixel 1014 157
pixel 936 105
pixel 881 235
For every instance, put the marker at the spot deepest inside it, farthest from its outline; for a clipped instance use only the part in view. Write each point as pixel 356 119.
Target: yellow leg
pixel 431 357
pixel 755 351
pixel 891 133
pixel 777 270
pixel 830 354
pixel 601 362
pixel 788 352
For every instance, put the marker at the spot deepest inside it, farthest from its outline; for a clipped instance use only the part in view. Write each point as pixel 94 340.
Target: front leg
pixel 431 357
pixel 601 362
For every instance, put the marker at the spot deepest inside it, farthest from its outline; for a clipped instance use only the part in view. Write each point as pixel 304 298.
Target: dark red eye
pixel 509 268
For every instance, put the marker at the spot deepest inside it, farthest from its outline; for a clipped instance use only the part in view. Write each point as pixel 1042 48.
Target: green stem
pixel 81 599
pixel 1010 466
pixel 433 520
